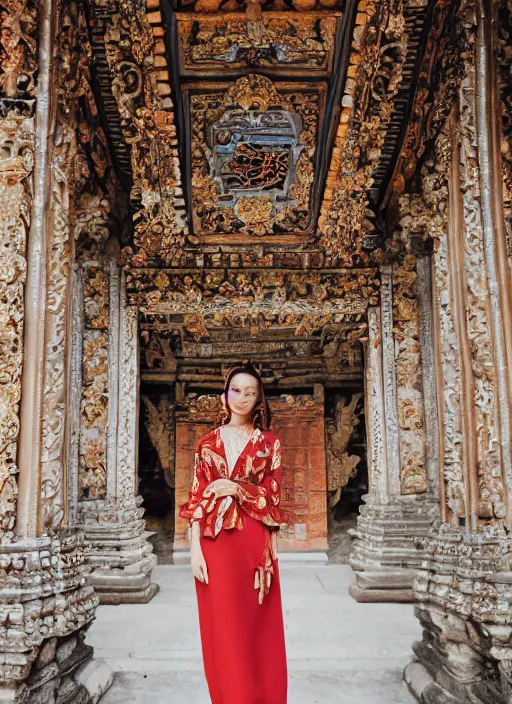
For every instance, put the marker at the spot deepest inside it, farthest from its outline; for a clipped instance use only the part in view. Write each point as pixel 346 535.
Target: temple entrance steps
pixel 338 650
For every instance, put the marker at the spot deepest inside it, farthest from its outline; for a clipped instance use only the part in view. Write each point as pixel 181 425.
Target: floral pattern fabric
pixel 257 472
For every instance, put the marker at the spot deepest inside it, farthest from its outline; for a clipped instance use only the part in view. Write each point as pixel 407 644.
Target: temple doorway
pixel 315 389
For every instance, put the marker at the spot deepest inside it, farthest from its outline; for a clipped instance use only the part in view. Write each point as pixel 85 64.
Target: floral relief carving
pixel 16 164
pixel 92 232
pixel 409 378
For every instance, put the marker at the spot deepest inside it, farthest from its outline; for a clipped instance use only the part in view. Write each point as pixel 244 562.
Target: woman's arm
pixel 198 563
pixel 262 501
pixel 194 509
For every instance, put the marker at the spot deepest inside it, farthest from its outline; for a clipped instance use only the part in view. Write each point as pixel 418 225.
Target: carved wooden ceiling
pixel 240 124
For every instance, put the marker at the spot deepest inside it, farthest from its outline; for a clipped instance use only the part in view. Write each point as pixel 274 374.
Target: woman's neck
pixel 239 421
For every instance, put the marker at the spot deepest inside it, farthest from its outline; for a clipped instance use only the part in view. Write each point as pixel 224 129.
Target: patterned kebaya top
pixel 258 473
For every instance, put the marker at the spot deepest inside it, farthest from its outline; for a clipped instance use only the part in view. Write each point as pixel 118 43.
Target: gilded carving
pixel 377 59
pixel 295 42
pixel 435 92
pixel 18 24
pixel 160 228
pixel 287 293
pixel 229 6
pixel 252 156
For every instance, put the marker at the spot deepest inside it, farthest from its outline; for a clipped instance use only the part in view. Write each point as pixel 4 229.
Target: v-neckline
pixel 233 471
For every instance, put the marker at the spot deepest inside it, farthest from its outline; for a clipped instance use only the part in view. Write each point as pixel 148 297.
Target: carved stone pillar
pixel 398 512
pixel 46 604
pixel 120 554
pixel 463 589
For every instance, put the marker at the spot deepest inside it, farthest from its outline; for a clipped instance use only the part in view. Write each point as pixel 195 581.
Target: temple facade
pixel 323 187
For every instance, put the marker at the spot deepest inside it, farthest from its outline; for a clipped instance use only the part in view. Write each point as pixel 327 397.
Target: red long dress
pixel 243 641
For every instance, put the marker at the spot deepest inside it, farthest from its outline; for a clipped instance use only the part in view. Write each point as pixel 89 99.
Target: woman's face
pixel 242 394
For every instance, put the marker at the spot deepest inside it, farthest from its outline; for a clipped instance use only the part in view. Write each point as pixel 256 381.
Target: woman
pixel 234 511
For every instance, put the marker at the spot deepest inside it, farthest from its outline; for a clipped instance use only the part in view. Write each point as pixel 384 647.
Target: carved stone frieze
pixel 464 598
pixel 435 188
pixel 43 597
pixel 60 251
pixel 18 31
pixel 306 301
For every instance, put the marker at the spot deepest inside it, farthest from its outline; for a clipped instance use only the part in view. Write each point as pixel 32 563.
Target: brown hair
pixel 260 414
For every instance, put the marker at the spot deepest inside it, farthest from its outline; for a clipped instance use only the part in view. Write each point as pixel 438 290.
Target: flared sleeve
pixel 262 499
pixel 195 508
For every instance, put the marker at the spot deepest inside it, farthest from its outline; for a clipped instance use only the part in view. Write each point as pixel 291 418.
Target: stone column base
pixel 388 548
pixel 464 593
pixel 46 610
pixel 120 555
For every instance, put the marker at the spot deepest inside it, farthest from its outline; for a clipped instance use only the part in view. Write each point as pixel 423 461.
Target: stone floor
pixel 338 651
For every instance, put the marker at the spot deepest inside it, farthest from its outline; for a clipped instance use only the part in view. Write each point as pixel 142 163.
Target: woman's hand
pixel 221 487
pixel 199 569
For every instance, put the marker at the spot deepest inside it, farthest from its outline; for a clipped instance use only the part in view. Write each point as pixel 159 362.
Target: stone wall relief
pixel 159 424
pixel 341 465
